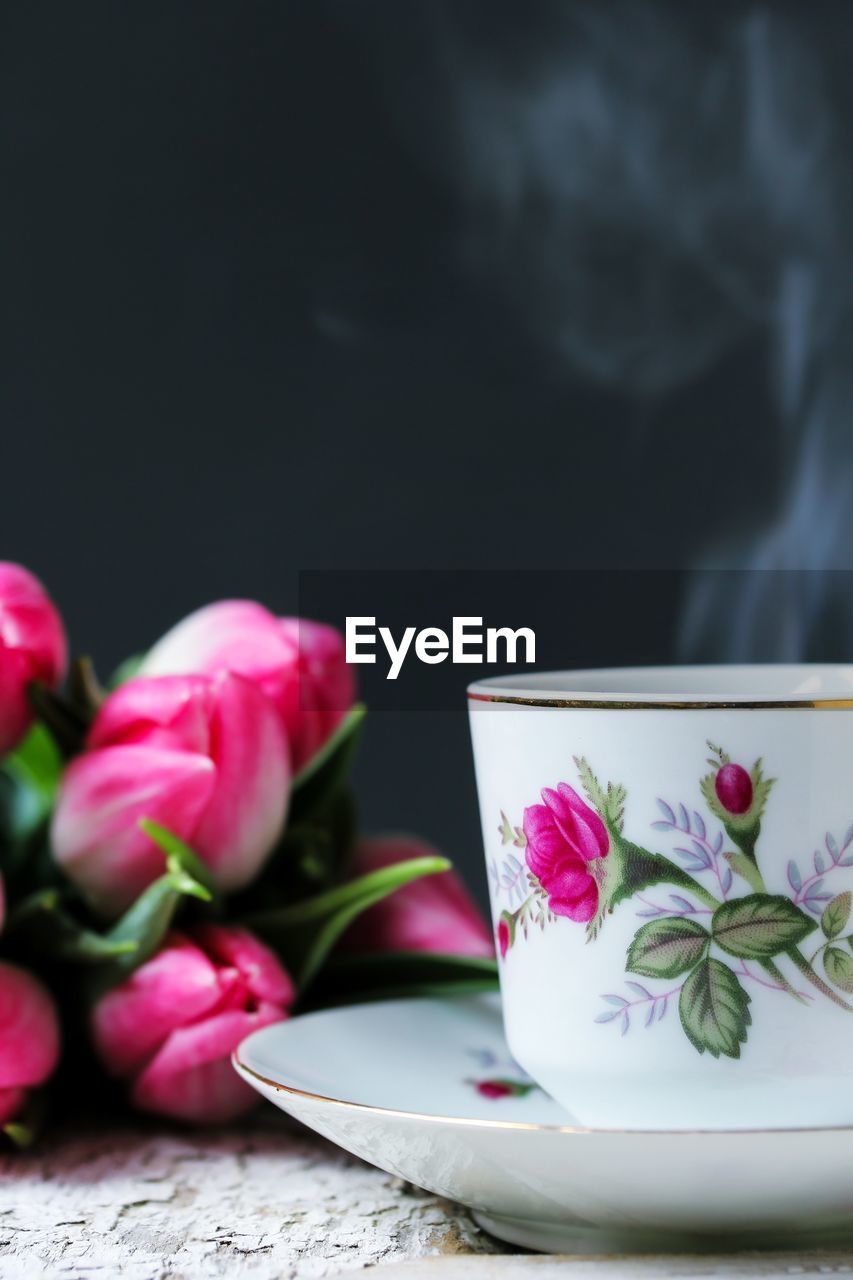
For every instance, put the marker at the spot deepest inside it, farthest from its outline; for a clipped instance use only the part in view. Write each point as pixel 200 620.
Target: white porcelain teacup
pixel 670 858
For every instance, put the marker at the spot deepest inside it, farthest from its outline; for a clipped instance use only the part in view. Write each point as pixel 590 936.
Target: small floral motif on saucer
pixel 427 1090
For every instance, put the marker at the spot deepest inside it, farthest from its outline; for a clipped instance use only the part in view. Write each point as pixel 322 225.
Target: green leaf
pixel 714 1011
pixel 838 967
pixel 761 788
pixel 760 926
pixel 42 926
pixel 126 670
pixel 20 1134
pixel 666 948
pixel 147 921
pixel 67 721
pixel 505 829
pixel 590 784
pixel 33 770
pixel 837 913
pixel 387 975
pixel 609 803
pixel 186 858
pixel 304 933
pixel 328 768
pixel 628 868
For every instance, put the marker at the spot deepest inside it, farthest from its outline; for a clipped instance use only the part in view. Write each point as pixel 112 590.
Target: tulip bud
pixel 171 1027
pixel 435 914
pixel 300 665
pixel 204 757
pixel 32 647
pixel 733 786
pixel 29 1038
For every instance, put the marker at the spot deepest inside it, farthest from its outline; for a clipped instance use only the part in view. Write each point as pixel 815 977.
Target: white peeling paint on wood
pixel 266 1202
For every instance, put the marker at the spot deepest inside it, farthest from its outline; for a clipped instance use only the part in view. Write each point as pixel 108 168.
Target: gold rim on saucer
pixel 477 1122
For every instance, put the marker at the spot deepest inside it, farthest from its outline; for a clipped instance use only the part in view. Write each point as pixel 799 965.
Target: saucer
pixel 426 1089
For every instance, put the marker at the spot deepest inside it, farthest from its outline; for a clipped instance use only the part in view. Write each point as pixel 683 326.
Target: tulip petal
pixel 191 1078
pixel 319 687
pixel 15 710
pixel 30 623
pixel 11 1102
pixel 178 985
pixel 29 1030
pixel 245 814
pixel 230 635
pixel 262 970
pixel 96 834
pixel 432 914
pixel 169 712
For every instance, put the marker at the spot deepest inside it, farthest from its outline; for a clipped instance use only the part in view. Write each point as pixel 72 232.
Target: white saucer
pixel 406 1085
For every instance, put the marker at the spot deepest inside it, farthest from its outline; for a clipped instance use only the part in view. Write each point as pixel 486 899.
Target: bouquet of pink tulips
pixel 180 863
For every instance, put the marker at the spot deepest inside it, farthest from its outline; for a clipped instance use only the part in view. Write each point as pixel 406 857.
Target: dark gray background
pixel 447 283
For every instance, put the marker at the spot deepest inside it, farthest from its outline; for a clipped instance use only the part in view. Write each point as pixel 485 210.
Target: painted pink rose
pixel 171 1027
pixel 564 835
pixel 300 665
pixel 32 647
pixel 503 938
pixel 494 1089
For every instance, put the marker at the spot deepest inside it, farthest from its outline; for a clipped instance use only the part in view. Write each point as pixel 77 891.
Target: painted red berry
pixel 494 1089
pixel 503 937
pixel 733 786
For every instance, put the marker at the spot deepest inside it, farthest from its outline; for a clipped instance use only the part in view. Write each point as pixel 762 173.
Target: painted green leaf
pixel 760 926
pixel 714 1011
pixel 836 915
pixel 838 967
pixel 666 948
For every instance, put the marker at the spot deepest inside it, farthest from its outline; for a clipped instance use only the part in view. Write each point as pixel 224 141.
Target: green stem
pixel 519 911
pixel 815 979
pixel 775 972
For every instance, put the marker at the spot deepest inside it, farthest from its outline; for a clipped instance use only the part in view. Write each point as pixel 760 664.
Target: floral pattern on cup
pixel 701 947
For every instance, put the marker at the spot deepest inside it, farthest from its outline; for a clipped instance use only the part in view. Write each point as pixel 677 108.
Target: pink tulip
pixel 436 913
pixel 171 1027
pixel 300 665
pixel 29 1038
pixel 205 757
pixel 32 647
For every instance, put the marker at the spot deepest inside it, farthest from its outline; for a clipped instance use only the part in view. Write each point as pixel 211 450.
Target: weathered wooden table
pixel 268 1201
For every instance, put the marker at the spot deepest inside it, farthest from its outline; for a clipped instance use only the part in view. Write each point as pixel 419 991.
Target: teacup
pixel 670 859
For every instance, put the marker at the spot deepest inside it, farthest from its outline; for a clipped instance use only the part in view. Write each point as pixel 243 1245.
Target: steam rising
pixel 685 195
